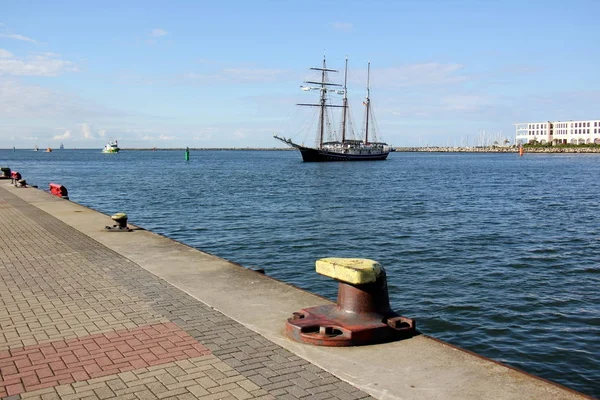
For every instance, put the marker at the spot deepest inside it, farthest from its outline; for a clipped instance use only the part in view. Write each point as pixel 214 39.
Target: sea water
pixel 495 253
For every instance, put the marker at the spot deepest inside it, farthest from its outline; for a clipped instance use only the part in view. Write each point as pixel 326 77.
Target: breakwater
pixel 546 150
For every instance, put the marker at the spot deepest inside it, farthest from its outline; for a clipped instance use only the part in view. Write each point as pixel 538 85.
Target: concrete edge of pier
pixel 418 368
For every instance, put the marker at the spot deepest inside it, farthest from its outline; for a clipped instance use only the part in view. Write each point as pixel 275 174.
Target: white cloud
pixel 158 32
pixel 17 37
pixel 165 137
pixel 464 102
pixel 419 75
pixel 342 26
pixel 240 134
pixel 86 130
pixel 18 100
pixel 252 75
pixel 66 135
pixel 102 133
pixel 237 75
pixel 44 64
pixel 205 134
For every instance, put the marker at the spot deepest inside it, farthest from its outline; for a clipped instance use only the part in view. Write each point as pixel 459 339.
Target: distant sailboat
pixel 62 146
pixel 36 148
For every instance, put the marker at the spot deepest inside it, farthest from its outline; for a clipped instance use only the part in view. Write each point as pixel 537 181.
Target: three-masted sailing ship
pixel 331 147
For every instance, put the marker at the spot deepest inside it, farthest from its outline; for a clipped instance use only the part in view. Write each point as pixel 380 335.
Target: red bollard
pixel 15 176
pixel 59 190
pixel 362 314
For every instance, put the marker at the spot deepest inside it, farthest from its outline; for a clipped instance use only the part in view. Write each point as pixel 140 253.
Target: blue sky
pixel 227 74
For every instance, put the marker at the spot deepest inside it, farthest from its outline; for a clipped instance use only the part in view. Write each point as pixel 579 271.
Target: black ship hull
pixel 317 155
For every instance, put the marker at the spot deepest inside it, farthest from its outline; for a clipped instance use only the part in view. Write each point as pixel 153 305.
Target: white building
pixel 559 132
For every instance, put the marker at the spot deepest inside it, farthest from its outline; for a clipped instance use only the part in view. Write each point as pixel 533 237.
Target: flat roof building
pixel 558 132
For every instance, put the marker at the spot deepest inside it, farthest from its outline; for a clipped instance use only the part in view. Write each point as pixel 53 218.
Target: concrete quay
pixel 91 314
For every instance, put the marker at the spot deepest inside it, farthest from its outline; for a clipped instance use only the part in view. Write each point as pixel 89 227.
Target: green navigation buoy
pixel 187 154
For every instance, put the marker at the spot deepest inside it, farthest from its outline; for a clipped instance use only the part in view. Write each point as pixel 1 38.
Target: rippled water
pixel 495 253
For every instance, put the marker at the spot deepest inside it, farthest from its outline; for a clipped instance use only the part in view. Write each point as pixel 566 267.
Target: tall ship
pixel 111 147
pixel 329 146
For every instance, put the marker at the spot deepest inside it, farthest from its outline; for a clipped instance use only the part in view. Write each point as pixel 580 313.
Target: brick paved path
pixel 79 321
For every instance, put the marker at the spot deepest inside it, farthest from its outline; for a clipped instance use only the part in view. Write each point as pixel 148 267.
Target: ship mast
pixel 323 86
pixel 322 102
pixel 345 103
pixel 367 104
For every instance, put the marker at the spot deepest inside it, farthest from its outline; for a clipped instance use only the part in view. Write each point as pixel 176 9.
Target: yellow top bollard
pixel 119 216
pixel 355 271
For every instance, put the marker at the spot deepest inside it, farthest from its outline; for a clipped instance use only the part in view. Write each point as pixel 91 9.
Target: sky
pixel 228 73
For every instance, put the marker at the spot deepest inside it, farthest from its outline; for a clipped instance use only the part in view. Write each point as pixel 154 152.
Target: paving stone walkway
pixel 79 321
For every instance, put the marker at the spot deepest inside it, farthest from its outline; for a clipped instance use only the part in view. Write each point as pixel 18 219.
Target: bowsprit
pixel 362 314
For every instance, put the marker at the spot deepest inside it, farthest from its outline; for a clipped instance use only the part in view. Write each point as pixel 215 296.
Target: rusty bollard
pixel 362 314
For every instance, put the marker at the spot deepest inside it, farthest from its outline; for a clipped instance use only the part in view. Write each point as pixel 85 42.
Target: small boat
pixel 62 146
pixel 345 148
pixel 111 147
pixel 36 148
pixel 49 150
